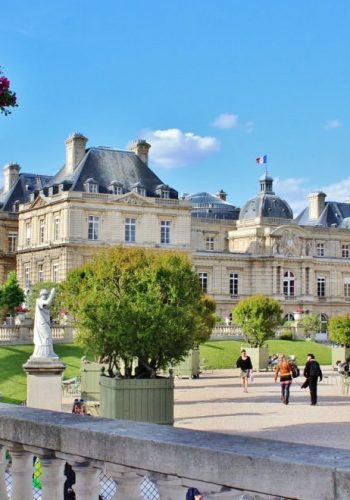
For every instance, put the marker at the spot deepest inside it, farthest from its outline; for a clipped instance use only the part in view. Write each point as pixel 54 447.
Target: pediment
pixel 291 228
pixel 39 202
pixel 291 240
pixel 134 199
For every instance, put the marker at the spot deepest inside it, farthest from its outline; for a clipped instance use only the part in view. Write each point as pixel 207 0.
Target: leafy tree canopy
pixel 339 329
pixel 311 323
pixel 137 303
pixel 258 316
pixel 12 295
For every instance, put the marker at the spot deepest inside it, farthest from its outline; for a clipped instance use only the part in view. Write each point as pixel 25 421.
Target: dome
pixel 266 203
pixel 206 205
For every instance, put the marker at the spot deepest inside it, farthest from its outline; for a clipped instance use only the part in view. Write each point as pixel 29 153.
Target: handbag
pixel 305 384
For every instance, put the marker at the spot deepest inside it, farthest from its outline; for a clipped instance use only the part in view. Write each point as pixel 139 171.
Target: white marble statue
pixel 43 347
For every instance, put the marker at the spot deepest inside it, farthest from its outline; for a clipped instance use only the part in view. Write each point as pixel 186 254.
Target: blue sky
pixel 212 84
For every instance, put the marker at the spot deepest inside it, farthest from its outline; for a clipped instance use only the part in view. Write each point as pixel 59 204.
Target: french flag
pixel 261 159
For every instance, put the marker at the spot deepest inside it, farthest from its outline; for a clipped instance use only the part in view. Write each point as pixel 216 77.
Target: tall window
pixel 209 243
pixel 42 231
pixel 321 287
pixel 26 277
pixel 278 290
pixel 345 251
pixel 203 281
pixel 288 284
pixel 28 234
pixel 347 288
pixel 130 230
pixel 165 232
pixel 93 230
pixel 12 241
pixel 233 284
pixel 40 272
pixel 57 228
pixel 55 272
pixel 320 249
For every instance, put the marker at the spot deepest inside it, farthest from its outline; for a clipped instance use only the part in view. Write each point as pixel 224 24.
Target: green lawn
pixel 224 353
pixel 13 378
pixel 218 354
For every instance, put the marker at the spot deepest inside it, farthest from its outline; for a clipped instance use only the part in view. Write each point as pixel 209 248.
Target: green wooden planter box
pixel 189 367
pixel 143 400
pixel 259 357
pixel 340 353
pixel 90 380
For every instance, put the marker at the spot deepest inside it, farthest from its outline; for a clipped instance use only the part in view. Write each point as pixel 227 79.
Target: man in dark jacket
pixel 312 372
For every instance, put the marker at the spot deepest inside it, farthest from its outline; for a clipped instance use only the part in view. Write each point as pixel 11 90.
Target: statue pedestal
pixel 44 382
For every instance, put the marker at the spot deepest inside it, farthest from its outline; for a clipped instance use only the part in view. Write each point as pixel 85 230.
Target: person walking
pixel 312 372
pixel 245 364
pixel 284 372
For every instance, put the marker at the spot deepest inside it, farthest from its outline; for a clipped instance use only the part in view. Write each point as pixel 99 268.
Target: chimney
pixel 11 174
pixel 222 195
pixel 140 148
pixel 316 204
pixel 75 151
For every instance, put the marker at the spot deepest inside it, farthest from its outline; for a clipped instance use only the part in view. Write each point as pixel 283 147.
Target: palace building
pixel 105 196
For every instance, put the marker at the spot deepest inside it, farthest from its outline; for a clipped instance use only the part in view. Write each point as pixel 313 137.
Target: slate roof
pixel 266 203
pixel 21 190
pixel 106 165
pixel 336 214
pixel 209 206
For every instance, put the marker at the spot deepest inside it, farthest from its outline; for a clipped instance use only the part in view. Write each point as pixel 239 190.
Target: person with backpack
pixel 312 372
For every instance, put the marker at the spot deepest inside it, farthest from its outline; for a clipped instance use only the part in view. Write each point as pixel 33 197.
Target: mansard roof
pixel 336 214
pixel 105 165
pixel 21 190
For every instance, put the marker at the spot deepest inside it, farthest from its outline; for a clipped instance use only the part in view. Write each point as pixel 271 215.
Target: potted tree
pixel 139 311
pixel 258 316
pixel 339 334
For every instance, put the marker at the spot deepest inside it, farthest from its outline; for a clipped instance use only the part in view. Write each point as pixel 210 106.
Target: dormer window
pixel 91 186
pixel 116 187
pixel 15 206
pixel 163 191
pixel 139 189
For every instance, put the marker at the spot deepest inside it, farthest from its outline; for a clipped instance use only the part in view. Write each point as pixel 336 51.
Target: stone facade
pixel 106 197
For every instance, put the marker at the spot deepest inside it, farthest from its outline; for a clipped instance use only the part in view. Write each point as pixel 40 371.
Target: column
pixel 22 471
pixel 129 486
pixel 87 485
pixel 52 478
pixel 3 464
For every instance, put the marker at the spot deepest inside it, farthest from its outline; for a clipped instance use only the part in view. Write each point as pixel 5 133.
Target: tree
pixel 339 329
pixel 137 303
pixel 311 323
pixel 34 291
pixel 7 97
pixel 12 295
pixel 258 316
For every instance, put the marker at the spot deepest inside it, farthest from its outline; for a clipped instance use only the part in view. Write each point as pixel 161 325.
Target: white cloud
pixel 331 124
pixel 174 148
pixel 296 190
pixel 339 191
pixel 225 120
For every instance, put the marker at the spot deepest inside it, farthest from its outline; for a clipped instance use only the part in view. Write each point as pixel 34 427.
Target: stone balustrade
pixel 221 466
pixel 24 334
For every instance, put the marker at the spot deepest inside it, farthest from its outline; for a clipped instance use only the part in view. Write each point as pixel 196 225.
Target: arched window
pixel 324 322
pixel 288 283
pixel 288 317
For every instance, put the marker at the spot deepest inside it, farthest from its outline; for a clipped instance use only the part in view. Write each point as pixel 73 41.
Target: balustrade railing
pixel 24 334
pixel 153 462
